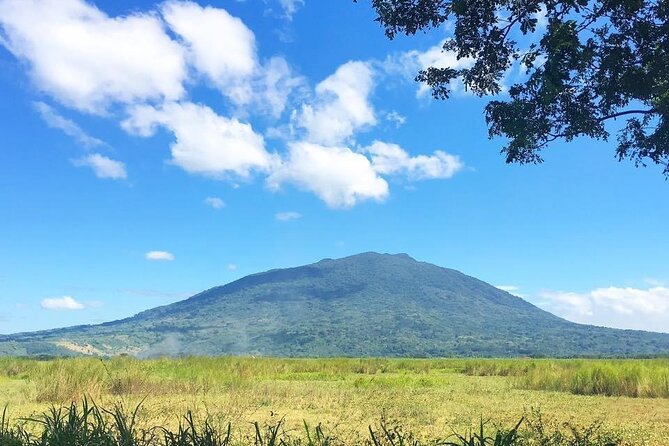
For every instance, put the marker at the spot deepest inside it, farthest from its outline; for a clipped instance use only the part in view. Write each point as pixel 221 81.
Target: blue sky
pixel 153 150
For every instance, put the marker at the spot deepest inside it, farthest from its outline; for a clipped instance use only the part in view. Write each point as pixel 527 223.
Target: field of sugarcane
pixel 318 402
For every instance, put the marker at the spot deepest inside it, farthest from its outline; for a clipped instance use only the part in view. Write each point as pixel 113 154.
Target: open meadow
pixel 429 398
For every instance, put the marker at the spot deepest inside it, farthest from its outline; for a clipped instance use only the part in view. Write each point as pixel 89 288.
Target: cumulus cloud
pixel 102 166
pixel 206 143
pixel 88 60
pixel 392 159
pixel 214 202
pixel 321 160
pixel 220 46
pixel 67 126
pixel 337 175
pixel 342 105
pixel 61 303
pixel 159 256
pixel 287 216
pixel 223 49
pixel 644 309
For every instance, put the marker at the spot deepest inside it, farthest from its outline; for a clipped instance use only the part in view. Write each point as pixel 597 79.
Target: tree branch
pixel 627 112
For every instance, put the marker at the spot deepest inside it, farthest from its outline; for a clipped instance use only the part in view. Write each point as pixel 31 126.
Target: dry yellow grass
pixel 428 397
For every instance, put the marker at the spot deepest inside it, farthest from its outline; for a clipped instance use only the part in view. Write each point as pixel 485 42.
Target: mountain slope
pixel 364 305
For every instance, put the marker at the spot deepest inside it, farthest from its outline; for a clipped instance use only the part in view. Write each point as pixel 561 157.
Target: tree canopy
pixel 586 63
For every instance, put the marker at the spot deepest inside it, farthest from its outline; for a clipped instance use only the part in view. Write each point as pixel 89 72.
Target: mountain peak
pixel 368 304
pixel 378 255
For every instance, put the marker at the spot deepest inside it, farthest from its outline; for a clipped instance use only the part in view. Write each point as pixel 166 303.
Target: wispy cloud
pixel 407 64
pixel 511 289
pixel 396 118
pixel 654 282
pixel 214 202
pixel 67 126
pixel 103 167
pixel 67 303
pixel 159 256
pixel 290 7
pixel 288 216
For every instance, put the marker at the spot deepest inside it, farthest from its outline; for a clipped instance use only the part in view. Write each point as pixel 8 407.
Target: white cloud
pixel 88 60
pixel 206 143
pixel 102 166
pixel 159 256
pixel 644 309
pixel 407 64
pixel 290 7
pixel 288 216
pixel 396 118
pixel 392 159
pixel 436 57
pixel 273 86
pixel 223 49
pixel 214 202
pixel 342 105
pixel 337 175
pixel 654 282
pixel 67 126
pixel 511 289
pixel 232 267
pixel 61 303
pixel 220 46
pixel 507 288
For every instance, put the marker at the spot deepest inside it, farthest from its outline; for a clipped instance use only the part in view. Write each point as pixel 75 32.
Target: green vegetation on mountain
pixel 364 305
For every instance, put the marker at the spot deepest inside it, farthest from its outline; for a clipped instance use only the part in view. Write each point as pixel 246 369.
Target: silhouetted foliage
pixel 587 62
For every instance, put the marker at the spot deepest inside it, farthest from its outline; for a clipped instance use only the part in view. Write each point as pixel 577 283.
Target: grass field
pixel 430 398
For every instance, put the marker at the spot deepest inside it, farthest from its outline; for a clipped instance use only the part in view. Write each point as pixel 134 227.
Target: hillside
pixel 364 305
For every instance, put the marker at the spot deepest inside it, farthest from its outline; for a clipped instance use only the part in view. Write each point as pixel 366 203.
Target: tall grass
pixel 65 380
pixel 631 378
pixel 86 424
